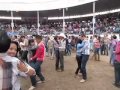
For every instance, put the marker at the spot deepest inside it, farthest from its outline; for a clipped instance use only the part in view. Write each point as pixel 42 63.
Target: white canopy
pixel 39 5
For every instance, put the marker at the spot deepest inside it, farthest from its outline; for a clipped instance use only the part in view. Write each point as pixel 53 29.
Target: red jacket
pixel 117 51
pixel 40 52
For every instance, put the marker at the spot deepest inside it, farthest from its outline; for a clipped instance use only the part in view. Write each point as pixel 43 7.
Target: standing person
pixel 85 56
pixel 97 49
pixel 117 65
pixel 31 48
pixel 112 48
pixel 25 48
pixel 106 43
pixel 62 51
pixel 51 47
pixel 80 44
pixel 91 44
pixel 69 46
pixel 56 47
pixel 36 62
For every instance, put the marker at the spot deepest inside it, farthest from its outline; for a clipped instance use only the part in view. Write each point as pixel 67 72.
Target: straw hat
pixel 62 35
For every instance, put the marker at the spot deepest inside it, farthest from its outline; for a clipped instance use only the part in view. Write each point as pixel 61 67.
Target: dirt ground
pixel 100 76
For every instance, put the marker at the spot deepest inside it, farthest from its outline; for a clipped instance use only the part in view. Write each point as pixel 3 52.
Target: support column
pixel 94 18
pixel 63 20
pixel 38 24
pixel 12 23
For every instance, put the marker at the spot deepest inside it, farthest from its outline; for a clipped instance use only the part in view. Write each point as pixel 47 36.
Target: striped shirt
pixel 86 47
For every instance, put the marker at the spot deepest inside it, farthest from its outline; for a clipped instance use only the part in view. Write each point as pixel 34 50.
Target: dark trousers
pixel 83 66
pixel 68 49
pixel 79 60
pixel 61 53
pixel 37 66
pixel 117 72
pixel 59 59
pixel 103 49
pixel 24 56
pixel 106 49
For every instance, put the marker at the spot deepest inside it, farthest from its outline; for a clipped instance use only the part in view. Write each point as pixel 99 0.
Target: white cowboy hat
pixel 62 35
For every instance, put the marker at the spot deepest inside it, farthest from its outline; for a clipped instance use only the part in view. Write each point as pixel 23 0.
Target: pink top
pixel 117 51
pixel 97 44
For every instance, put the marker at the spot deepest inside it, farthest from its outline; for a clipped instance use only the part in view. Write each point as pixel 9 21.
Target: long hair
pixel 16 43
pixel 4 41
pixel 56 39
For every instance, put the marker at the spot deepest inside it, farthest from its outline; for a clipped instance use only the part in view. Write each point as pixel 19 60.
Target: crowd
pixel 23 55
pixel 109 24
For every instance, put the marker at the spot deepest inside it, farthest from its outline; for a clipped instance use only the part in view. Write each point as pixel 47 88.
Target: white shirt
pixel 62 45
pixel 16 73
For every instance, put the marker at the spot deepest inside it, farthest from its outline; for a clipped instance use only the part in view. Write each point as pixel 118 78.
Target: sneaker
pixel 39 81
pixel 82 81
pixel 31 88
pixel 116 85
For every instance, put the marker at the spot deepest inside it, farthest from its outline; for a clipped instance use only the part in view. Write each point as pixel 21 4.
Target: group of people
pixel 23 56
pixel 11 68
pixel 83 49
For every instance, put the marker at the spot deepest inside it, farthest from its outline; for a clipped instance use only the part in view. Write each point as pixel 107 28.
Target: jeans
pixel 37 66
pixel 68 49
pixel 103 49
pixel 96 53
pixel 83 66
pixel 106 49
pixel 79 60
pixel 59 59
pixel 61 53
pixel 51 52
pixel 117 72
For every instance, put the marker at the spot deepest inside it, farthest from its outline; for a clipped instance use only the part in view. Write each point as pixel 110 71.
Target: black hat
pixel 4 41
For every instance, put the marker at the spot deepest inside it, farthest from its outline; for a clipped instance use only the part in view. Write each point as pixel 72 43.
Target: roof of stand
pixel 101 5
pixel 39 5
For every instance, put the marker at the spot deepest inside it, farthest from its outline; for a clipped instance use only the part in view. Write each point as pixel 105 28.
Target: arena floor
pixel 100 76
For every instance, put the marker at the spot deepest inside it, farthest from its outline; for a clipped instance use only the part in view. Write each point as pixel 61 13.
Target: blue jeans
pixel 83 66
pixel 68 49
pixel 37 66
pixel 96 54
pixel 117 72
